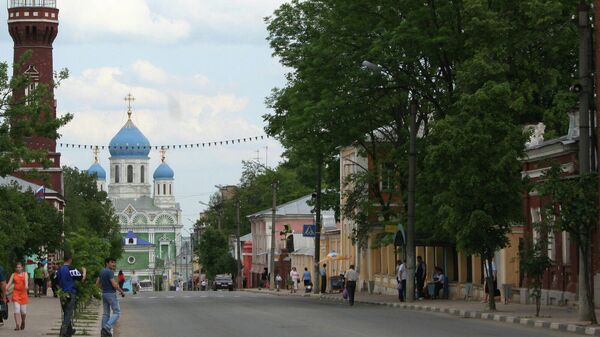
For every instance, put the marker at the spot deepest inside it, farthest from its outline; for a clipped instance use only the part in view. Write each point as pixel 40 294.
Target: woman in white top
pixel 295 276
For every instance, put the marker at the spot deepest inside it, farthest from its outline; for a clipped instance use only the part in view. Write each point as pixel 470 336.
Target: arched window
pixel 164 188
pixel 117 174
pixel 130 173
pixel 142 174
pixel 157 189
pixel 170 190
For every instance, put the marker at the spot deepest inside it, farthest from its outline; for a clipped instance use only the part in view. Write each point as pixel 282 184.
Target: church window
pixel 157 189
pixel 130 241
pixel 130 173
pixel 142 174
pixel 117 174
pixel 131 260
pixel 164 188
pixel 170 190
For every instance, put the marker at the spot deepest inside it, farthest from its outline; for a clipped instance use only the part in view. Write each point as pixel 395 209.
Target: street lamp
pixel 412 174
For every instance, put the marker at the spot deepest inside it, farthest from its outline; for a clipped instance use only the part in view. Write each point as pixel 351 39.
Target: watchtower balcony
pixel 31 4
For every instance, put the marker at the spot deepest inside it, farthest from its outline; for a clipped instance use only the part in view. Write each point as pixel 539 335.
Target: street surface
pixel 233 314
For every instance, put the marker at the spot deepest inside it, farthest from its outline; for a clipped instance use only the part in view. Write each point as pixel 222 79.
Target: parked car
pixel 223 281
pixel 146 285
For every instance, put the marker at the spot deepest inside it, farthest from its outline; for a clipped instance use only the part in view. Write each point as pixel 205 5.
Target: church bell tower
pixel 33 26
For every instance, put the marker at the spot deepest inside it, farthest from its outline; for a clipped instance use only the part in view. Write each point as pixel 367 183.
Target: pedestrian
pixel 52 276
pixel 121 279
pixel 106 282
pixel 65 280
pixel 401 279
pixel 306 279
pixel 295 276
pixel 3 295
pixel 20 280
pixel 323 273
pixel 351 278
pixel 420 277
pixel 46 277
pixel 135 283
pixel 264 278
pixel 278 280
pixel 38 280
pixel 486 275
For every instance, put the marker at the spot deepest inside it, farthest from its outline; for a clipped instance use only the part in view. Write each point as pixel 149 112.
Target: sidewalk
pixel 551 317
pixel 44 319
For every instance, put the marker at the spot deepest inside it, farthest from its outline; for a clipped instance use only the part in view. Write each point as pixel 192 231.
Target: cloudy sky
pixel 199 69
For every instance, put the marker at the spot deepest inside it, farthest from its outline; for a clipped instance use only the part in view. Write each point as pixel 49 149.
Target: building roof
pixel 143 203
pixel 98 171
pixel 247 237
pixel 140 242
pixel 163 172
pixel 294 207
pixel 310 251
pixel 129 142
pixel 23 184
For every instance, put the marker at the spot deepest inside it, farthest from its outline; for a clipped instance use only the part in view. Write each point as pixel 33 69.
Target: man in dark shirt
pixel 106 281
pixel 65 279
pixel 2 292
pixel 420 276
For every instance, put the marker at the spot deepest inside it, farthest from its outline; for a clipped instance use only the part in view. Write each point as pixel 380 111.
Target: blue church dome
pixel 98 170
pixel 129 142
pixel 164 172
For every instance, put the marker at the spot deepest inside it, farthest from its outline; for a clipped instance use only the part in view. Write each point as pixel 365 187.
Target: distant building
pixel 149 216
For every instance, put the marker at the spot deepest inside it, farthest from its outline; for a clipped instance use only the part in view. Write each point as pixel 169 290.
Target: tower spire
pixel 129 99
pixel 96 152
pixel 163 153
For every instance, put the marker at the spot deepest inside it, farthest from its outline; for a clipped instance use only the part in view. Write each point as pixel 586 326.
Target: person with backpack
pixel 65 279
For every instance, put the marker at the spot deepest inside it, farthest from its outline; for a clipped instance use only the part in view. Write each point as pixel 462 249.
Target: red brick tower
pixel 33 25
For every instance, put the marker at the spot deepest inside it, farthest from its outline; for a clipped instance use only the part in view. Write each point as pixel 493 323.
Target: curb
pixel 531 322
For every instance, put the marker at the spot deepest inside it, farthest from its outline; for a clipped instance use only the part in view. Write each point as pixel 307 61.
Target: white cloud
pixel 146 71
pixel 166 22
pixel 119 20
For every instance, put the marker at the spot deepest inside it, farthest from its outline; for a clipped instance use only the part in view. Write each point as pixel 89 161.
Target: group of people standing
pixel 64 278
pixel 438 279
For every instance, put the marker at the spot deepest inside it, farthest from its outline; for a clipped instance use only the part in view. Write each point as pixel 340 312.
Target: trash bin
pixel 336 283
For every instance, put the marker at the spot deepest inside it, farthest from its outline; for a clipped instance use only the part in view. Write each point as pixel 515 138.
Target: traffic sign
pixel 309 231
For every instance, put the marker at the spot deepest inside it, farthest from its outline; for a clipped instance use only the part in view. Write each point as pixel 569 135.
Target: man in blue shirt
pixel 65 280
pixel 2 293
pixel 106 281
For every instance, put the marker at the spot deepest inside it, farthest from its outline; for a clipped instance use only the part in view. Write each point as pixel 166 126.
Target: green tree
pixel 23 116
pixel 573 207
pixel 91 227
pixel 28 226
pixel 213 251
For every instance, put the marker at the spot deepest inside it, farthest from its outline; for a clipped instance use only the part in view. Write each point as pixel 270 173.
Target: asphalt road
pixel 233 314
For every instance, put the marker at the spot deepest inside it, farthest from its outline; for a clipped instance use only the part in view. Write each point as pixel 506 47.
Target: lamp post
pixel 412 174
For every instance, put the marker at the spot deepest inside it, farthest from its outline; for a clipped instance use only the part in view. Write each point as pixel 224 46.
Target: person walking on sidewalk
pixel 401 279
pixel 307 279
pixel 323 273
pixel 3 298
pixel 52 275
pixel 121 279
pixel 295 276
pixel 135 283
pixel 38 280
pixel 106 281
pixel 65 279
pixel 420 276
pixel 20 280
pixel 351 278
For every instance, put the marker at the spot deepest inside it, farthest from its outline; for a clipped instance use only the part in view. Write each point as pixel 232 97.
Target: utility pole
pixel 316 274
pixel 238 247
pixel 586 301
pixel 410 228
pixel 274 186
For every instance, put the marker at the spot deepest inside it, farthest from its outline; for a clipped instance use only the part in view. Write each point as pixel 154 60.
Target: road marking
pixel 152 297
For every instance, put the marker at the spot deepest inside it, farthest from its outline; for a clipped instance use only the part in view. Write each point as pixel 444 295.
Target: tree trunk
pixel 538 302
pixel 587 310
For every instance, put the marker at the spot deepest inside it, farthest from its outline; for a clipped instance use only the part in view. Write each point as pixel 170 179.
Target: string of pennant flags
pixel 165 147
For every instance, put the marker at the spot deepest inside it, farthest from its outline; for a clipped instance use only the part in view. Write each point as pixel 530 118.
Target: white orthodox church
pixel 149 216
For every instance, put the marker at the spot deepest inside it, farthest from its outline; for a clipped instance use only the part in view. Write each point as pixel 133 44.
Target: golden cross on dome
pixel 129 99
pixel 163 153
pixel 96 153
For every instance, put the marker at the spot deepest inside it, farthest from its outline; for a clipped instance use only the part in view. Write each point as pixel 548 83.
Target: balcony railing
pixel 32 3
